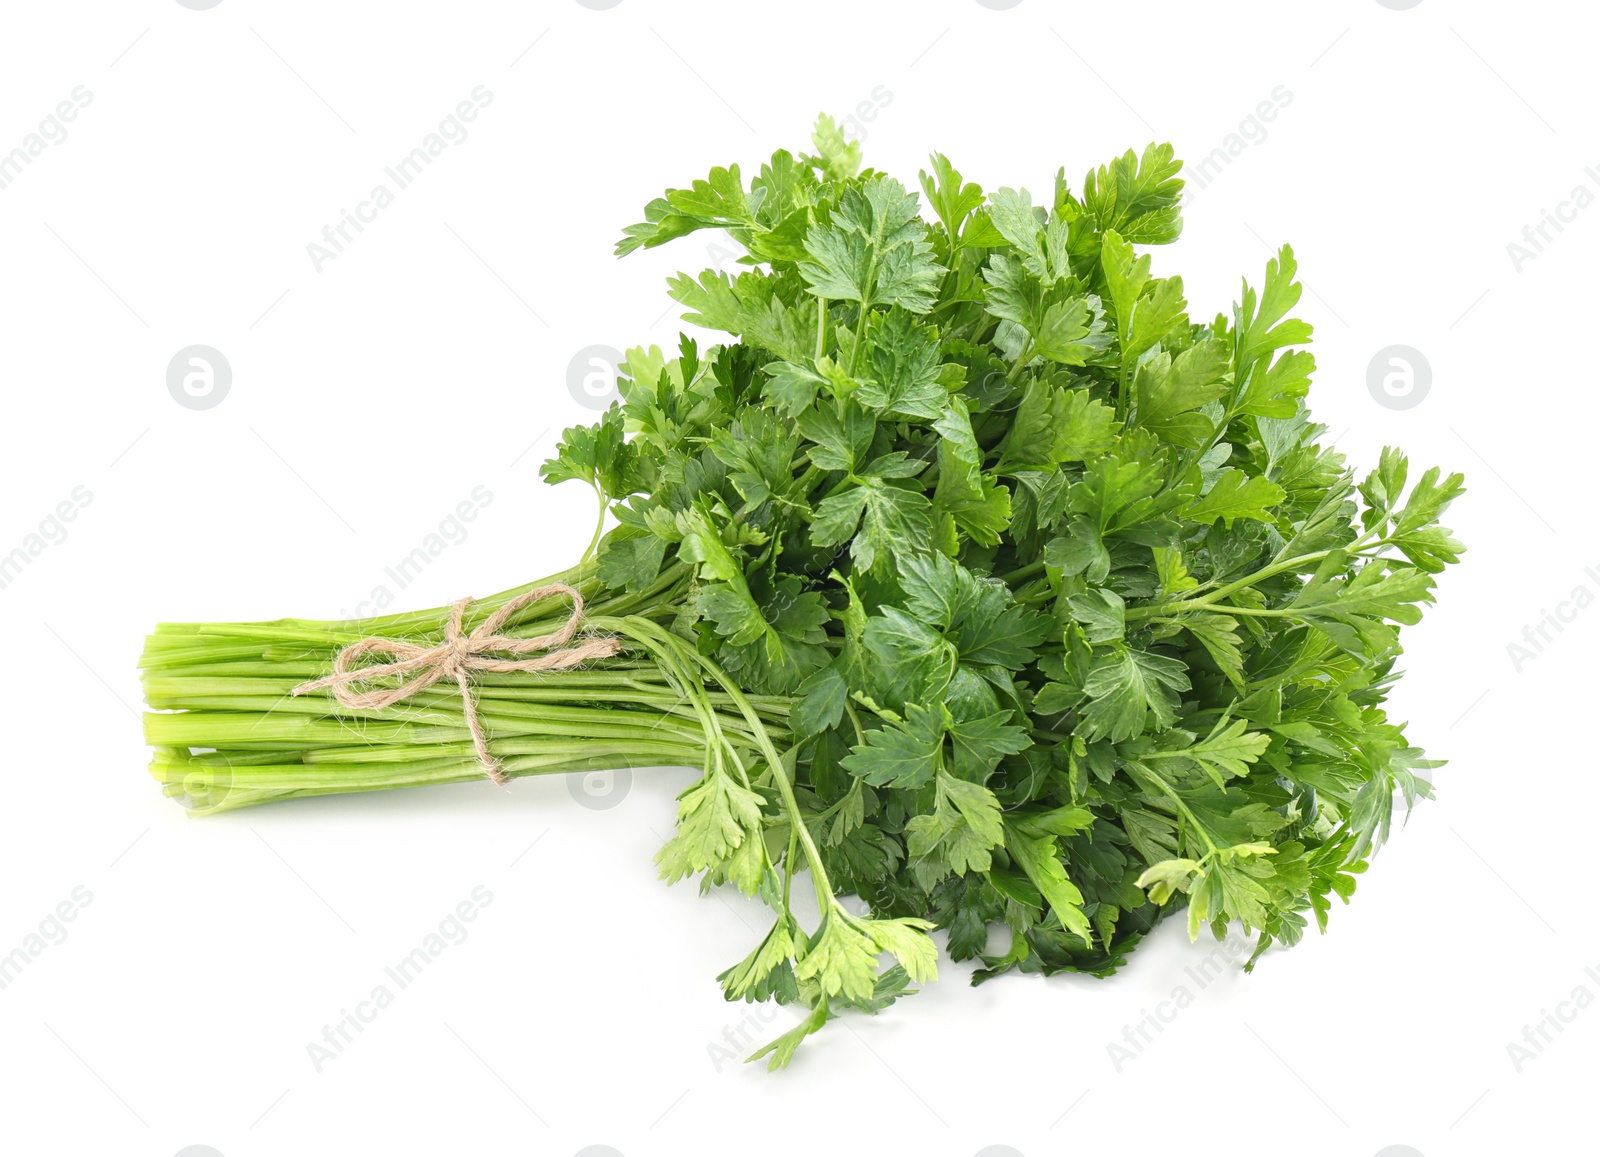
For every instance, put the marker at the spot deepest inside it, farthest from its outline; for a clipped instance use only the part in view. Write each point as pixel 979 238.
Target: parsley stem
pixel 788 865
pixel 599 527
pixel 1022 572
pixel 853 792
pixel 1184 606
pixel 1023 359
pixel 1145 773
pixel 763 742
pixel 861 333
pixel 855 721
pixel 808 479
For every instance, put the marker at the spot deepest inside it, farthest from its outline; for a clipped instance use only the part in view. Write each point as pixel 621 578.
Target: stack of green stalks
pixel 228 733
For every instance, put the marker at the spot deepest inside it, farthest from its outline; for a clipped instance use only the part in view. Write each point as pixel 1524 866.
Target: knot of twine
pixel 458 655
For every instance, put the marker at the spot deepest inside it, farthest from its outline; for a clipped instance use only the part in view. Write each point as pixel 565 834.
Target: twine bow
pixel 458 655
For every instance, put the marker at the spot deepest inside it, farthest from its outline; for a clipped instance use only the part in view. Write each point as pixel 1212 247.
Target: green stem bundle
pixel 227 732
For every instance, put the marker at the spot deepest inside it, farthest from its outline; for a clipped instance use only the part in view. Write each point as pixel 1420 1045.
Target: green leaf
pixel 1226 753
pixel 597 455
pixel 782 1049
pixel 999 633
pixel 1274 392
pixel 1100 611
pixel 1262 328
pixel 1171 391
pixel 1020 223
pixel 906 754
pixel 903 361
pixel 1081 552
pixel 750 974
pixel 907 940
pixel 1114 493
pixel 1145 310
pixel 1038 858
pixel 747 306
pixel 715 818
pixel 820 700
pixel 895 520
pixel 950 198
pixel 1014 294
pixel 959 835
pixel 720 198
pixel 980 744
pixel 873 250
pixel 631 562
pixel 1054 426
pixel 838 158
pixel 1170 569
pixel 940 591
pixel 1128 687
pixel 1139 197
pixel 1266 388
pixel 843 961
pixel 1429 500
pixel 792 388
pixel 1167 877
pixel 1236 495
pixel 843 436
pixel 1219 635
pixel 1071 332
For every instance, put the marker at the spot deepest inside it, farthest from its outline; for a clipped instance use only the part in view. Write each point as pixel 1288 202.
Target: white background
pixel 581 1010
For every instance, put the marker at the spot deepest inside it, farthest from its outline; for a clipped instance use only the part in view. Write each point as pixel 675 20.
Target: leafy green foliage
pixel 1074 620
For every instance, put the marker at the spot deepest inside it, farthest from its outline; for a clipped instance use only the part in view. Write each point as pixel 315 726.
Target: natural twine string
pixel 458 655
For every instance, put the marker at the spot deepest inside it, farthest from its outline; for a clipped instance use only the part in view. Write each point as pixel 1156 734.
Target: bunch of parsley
pixel 1080 622
pixel 988 586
